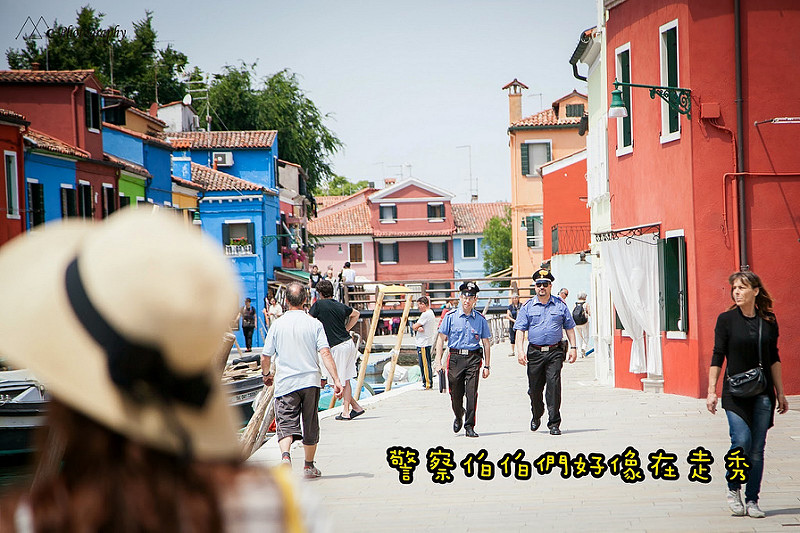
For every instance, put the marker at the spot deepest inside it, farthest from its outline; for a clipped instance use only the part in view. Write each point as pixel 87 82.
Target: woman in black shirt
pixel 736 340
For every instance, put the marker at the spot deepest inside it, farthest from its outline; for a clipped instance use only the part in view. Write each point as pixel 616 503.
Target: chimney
pixel 154 109
pixel 388 182
pixel 35 65
pixel 515 100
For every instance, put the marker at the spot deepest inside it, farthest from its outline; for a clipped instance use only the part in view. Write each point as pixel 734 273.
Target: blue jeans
pixel 752 440
pixel 424 354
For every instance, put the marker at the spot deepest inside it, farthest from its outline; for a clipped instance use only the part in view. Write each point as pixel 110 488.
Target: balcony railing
pixel 238 249
pixel 571 238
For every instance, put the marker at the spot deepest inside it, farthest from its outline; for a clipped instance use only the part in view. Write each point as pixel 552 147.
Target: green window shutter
pixel 251 236
pixel 672 300
pixel 549 152
pixel 523 157
pixel 625 75
pixel 430 252
pixel 226 235
pixel 380 253
pixel 430 211
pixel 671 45
pixel 394 212
pixel 446 251
pixel 87 107
pixel 617 321
pixel 396 247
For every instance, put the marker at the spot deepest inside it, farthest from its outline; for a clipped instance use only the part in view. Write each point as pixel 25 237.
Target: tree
pixel 138 69
pixel 497 243
pixel 236 103
pixel 340 186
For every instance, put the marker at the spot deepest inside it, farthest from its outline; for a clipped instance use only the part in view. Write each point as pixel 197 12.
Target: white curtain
pixel 632 276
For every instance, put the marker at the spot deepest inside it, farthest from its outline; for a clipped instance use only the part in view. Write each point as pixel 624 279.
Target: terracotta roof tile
pixel 148 116
pixel 227 139
pixel 350 221
pixel 45 76
pixel 187 183
pixel 43 141
pixel 327 201
pixel 472 217
pixel 214 180
pixel 129 166
pixel 10 116
pixel 546 118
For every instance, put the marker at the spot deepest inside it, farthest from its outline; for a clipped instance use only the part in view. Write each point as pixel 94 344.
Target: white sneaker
pixel 735 503
pixel 753 510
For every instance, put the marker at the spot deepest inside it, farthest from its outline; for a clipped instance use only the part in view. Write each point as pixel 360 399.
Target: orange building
pixel 533 141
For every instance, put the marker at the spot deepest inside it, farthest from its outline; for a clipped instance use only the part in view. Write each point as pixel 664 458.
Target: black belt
pixel 476 351
pixel 545 348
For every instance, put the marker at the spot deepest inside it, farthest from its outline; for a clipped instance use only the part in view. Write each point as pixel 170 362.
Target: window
pixel 441 296
pixel 68 202
pixel 533 225
pixel 12 185
pixel 92 110
pixel 238 237
pixel 356 252
pixel 109 200
pixel 437 252
pixel 388 253
pixel 436 212
pixel 670 118
pixel 388 213
pixel 468 249
pixel 124 201
pixel 574 110
pixel 625 125
pixel 85 208
pixel 672 283
pixel 35 204
pixel 534 154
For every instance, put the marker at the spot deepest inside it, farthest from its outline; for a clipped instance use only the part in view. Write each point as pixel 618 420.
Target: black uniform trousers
pixel 247 331
pixel 545 368
pixel 462 375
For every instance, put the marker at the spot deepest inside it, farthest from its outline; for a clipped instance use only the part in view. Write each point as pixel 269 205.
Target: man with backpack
pixel 580 314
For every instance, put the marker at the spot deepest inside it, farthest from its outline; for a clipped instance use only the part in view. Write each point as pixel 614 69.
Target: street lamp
pixel 677 98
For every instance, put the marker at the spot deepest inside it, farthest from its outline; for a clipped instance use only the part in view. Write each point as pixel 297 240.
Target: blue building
pixel 50 174
pixel 470 220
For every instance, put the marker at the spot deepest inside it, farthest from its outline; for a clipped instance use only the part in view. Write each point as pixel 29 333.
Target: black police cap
pixel 543 273
pixel 470 287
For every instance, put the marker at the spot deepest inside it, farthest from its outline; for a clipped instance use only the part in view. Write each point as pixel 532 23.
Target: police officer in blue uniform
pixel 467 334
pixel 542 318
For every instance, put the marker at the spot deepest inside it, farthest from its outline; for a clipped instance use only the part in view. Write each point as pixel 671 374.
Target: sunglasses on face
pixel 542 283
pixel 466 295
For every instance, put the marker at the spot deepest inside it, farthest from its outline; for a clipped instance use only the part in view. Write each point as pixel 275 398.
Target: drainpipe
pixel 74 112
pixel 740 138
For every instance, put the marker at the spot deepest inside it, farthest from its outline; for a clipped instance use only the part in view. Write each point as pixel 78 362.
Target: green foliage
pixel 340 186
pixel 497 243
pixel 237 103
pixel 137 64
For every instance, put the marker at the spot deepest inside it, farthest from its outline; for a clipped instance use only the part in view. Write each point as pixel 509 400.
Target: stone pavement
pixel 360 492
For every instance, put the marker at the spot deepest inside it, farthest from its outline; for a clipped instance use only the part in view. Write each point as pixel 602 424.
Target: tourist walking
pixel 337 320
pixel 274 311
pixel 249 323
pixel 139 434
pixel 425 328
pixel 467 334
pixel 511 315
pixel 294 340
pixel 580 315
pixel 746 340
pixel 543 318
pixel 314 277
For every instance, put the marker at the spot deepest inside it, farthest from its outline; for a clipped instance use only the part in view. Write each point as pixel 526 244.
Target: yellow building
pixel 535 140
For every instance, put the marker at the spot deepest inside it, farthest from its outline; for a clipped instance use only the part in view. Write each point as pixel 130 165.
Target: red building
pixel 566 218
pixel 67 105
pixel 413 229
pixel 12 204
pixel 674 177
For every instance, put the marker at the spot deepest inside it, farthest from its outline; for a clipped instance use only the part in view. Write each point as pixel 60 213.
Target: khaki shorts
pixel 290 408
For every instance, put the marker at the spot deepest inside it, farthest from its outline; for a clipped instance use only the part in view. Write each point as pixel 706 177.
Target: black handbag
pixel 750 383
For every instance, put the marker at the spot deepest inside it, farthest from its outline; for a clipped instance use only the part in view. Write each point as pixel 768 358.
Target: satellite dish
pixel 187 100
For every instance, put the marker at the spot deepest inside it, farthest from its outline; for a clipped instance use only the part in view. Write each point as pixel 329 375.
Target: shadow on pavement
pixel 354 474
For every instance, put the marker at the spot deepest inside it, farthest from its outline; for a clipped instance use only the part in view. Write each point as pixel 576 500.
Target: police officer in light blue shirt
pixel 542 318
pixel 467 334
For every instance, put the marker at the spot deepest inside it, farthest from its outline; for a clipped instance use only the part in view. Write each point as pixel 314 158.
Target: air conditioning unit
pixel 223 159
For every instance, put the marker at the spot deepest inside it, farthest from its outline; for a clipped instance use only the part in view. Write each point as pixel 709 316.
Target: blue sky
pixel 405 83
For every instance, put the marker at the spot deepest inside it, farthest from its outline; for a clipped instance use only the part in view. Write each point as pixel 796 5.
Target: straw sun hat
pixel 122 321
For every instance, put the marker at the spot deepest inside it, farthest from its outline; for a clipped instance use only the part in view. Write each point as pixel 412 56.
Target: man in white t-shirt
pixel 294 339
pixel 426 333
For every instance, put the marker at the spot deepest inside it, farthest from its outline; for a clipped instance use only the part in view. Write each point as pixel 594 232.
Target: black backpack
pixel 579 315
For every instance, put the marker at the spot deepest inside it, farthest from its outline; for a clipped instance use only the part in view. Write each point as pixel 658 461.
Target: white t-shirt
pixel 427 335
pixel 294 340
pixel 349 276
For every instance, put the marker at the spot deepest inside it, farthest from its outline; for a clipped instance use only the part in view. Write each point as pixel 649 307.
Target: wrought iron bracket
pixel 651 230
pixel 677 98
